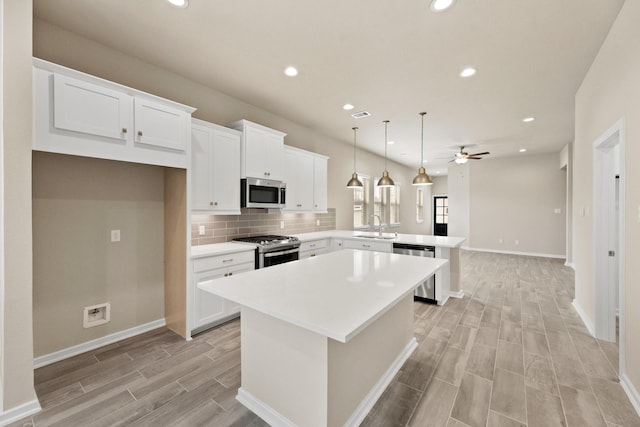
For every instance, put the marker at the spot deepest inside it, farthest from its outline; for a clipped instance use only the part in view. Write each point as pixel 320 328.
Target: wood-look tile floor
pixel 512 352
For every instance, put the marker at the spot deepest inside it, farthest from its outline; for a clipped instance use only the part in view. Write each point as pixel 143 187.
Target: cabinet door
pixel 91 109
pixel 368 245
pixel 201 185
pixel 208 307
pixel 263 153
pixel 319 184
pixel 225 172
pixel 298 175
pixel 159 125
pixel 275 148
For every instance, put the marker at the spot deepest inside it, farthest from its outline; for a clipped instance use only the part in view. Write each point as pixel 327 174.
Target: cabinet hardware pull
pixel 231 274
pixel 226 274
pixel 227 260
pixel 313 255
pixel 139 133
pixel 210 203
pixel 312 246
pixel 124 130
pixel 215 204
pixel 366 246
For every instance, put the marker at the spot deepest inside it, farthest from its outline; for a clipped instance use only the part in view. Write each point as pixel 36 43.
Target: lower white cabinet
pixel 208 309
pixel 314 248
pixel 368 245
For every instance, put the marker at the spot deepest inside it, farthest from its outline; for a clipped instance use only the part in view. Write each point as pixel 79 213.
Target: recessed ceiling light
pixel 522 150
pixel 468 72
pixel 528 119
pixel 179 3
pixel 347 107
pixel 440 5
pixel 291 71
pixel 391 142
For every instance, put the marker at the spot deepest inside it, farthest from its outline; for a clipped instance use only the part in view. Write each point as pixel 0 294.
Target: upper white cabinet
pixel 78 114
pixel 261 151
pixel 215 168
pixel 305 174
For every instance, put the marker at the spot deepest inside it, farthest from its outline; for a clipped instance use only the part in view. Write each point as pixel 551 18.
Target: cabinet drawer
pixel 368 245
pixel 314 245
pixel 219 261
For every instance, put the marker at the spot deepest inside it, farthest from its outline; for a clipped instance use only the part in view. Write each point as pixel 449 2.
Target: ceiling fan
pixel 462 156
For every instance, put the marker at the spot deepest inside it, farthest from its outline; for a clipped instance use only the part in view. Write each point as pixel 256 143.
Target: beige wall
pixel 610 91
pixel 16 334
pixel 76 203
pixel 514 199
pixel 439 186
pixel 58 45
pixel 458 187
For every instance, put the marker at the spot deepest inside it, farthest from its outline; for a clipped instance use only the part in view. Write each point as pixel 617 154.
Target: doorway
pixel 440 215
pixel 608 231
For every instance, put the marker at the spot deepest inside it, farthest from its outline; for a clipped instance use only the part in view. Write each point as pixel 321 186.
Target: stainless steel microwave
pixel 262 193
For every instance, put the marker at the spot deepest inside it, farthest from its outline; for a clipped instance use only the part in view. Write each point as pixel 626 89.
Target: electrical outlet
pixel 318 222
pixel 96 315
pixel 201 230
pixel 281 225
pixel 500 241
pixel 557 211
pixel 115 235
pixel 517 242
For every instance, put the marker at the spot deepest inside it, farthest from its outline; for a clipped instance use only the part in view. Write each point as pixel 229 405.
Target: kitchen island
pixel 323 337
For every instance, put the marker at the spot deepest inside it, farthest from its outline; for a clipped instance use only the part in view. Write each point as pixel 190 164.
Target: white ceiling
pixel 392 59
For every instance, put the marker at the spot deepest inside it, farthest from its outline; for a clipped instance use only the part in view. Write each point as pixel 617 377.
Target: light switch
pixel 115 235
pixel 318 222
pixel 557 211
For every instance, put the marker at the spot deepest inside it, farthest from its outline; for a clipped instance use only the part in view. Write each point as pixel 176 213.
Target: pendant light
pixel 386 180
pixel 354 182
pixel 422 178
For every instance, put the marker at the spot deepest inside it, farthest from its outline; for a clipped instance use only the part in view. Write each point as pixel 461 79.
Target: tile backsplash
pixel 256 222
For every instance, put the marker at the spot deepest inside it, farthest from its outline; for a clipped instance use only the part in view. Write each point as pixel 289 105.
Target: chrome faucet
pixel 380 227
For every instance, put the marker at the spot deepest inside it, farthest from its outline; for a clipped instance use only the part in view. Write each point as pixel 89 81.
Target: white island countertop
pixel 412 239
pixel 336 295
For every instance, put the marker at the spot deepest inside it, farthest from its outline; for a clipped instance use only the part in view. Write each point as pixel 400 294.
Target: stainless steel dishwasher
pixel 426 291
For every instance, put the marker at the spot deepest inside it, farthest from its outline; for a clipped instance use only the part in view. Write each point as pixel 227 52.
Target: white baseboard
pixel 372 397
pixel 19 412
pixel 65 353
pixel 539 255
pixel 274 418
pixel 456 294
pixel 585 319
pixel 570 265
pixel 632 393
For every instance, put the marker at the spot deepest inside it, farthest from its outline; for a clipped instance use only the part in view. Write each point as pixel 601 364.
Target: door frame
pixel 433 211
pixel 604 158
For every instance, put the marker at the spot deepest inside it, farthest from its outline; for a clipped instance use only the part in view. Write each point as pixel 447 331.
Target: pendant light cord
pixel 355 129
pixel 386 122
pixel 422 141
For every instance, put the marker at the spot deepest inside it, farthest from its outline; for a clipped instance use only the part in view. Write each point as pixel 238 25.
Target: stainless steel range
pixel 273 250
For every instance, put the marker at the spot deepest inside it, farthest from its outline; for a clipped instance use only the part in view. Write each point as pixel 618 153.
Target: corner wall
pixel 610 91
pixel 16 335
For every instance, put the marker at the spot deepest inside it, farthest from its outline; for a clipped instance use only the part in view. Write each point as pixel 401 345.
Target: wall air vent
pixel 360 114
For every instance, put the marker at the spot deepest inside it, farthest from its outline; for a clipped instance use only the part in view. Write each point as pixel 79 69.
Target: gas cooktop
pixel 267 240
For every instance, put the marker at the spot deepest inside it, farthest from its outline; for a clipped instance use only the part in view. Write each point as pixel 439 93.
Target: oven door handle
pixel 272 254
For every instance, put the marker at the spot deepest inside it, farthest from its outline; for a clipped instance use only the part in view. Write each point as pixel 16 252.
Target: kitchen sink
pixel 376 236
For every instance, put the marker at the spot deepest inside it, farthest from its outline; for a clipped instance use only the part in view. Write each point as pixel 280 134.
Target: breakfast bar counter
pixel 323 337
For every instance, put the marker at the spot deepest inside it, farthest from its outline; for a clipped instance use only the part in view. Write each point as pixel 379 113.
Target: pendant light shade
pixel 422 178
pixel 386 180
pixel 354 182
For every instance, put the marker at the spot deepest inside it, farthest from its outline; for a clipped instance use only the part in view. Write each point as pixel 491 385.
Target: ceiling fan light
pixel 422 178
pixel 354 182
pixel 386 180
pixel 440 5
pixel 461 160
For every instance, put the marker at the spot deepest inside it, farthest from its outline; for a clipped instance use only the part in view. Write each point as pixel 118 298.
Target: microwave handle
pixel 283 196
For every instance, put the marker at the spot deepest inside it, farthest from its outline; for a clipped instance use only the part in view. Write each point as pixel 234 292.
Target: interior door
pixel 440 215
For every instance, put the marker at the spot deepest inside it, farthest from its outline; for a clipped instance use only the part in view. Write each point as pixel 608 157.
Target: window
pixel 387 204
pixel 419 206
pixel 361 203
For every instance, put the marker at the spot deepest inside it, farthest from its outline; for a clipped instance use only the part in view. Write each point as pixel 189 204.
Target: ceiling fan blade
pixel 474 158
pixel 480 154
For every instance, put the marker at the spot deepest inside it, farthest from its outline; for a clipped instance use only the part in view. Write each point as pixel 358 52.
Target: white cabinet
pixel 336 244
pixel 160 125
pixel 305 174
pixel 261 151
pixel 209 309
pixel 320 183
pixel 78 114
pixel 367 245
pixel 91 109
pixel 298 175
pixel 215 168
pixel 314 248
